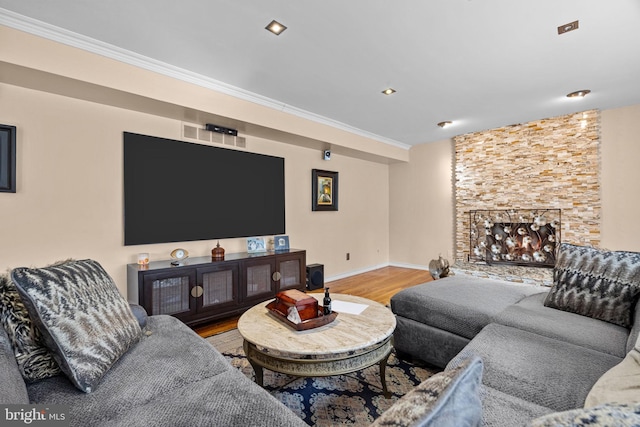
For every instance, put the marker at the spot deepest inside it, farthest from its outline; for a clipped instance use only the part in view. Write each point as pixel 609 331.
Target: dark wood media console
pixel 201 289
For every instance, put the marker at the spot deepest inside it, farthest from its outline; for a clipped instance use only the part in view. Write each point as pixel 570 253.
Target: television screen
pixel 179 191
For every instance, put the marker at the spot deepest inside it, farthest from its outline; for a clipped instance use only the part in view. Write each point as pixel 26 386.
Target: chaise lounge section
pixel 538 359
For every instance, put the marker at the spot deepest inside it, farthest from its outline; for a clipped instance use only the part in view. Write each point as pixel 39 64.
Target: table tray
pixel 315 322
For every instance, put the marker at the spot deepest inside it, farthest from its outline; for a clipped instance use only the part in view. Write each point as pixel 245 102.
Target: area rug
pixel 354 399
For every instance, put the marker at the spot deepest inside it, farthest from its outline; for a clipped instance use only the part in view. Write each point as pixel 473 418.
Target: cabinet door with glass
pixel 169 293
pixel 217 286
pixel 258 282
pixel 292 272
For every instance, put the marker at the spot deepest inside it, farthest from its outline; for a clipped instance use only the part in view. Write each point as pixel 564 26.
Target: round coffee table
pixel 350 343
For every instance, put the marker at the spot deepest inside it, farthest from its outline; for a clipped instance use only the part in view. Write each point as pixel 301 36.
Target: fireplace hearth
pixel 525 237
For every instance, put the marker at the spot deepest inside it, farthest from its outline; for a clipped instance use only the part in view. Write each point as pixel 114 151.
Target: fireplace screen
pixel 518 237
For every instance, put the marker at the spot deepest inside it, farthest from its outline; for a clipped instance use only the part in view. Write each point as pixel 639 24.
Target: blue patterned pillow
pixel 83 319
pixel 34 360
pixel 447 399
pixel 610 415
pixel 600 284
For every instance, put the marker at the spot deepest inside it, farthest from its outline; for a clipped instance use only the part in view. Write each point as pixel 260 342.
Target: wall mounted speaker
pixel 220 129
pixel 315 276
pixel 326 154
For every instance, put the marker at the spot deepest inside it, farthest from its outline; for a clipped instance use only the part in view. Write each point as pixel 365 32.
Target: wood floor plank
pixel 377 285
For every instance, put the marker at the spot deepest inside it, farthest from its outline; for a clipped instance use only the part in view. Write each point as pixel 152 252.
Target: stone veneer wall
pixel 550 163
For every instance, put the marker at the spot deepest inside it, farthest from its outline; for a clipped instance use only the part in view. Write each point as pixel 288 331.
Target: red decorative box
pixel 306 305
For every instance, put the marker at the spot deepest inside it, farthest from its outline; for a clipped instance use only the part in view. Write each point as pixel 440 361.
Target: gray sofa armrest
pixel 140 313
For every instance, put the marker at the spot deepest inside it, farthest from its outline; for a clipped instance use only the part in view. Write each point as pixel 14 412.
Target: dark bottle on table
pixel 326 302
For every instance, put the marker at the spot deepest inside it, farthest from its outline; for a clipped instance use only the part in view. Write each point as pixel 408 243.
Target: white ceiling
pixel 479 63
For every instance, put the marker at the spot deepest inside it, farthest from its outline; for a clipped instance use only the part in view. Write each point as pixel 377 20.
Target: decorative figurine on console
pixel 217 253
pixel 178 256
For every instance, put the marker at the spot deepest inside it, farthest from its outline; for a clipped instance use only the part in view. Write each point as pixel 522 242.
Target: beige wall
pixel 421 206
pixel 422 228
pixel 620 151
pixel 69 191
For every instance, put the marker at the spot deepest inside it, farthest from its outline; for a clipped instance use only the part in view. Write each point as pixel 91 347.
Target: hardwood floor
pixel 378 285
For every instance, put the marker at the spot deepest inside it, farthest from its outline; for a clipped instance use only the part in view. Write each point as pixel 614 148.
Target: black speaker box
pixel 315 276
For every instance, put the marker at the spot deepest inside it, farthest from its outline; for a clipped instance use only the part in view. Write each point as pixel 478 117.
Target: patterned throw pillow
pixel 611 415
pixel 600 284
pixel 33 358
pixel 84 320
pixel 447 399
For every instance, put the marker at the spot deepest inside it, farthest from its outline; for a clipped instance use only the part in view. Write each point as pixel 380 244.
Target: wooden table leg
pixel 383 377
pixel 256 368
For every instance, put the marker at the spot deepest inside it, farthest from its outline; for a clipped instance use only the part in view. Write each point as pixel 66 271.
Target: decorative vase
pixel 217 253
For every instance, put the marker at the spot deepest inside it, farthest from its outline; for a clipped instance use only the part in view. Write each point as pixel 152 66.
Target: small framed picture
pixel 324 190
pixel 281 243
pixel 256 244
pixel 7 159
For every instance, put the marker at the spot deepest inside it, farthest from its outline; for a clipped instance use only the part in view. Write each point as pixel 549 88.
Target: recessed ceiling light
pixel 275 27
pixel 445 124
pixel 389 91
pixel 579 93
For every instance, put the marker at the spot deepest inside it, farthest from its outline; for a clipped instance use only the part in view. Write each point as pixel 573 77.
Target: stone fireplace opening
pixel 524 237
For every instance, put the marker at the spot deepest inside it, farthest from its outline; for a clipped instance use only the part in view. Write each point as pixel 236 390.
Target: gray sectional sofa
pixel 161 374
pixel 538 359
pixel 171 377
pixel 69 338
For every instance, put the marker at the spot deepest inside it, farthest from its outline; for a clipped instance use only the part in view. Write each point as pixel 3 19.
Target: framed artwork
pixel 281 243
pixel 324 190
pixel 256 244
pixel 7 159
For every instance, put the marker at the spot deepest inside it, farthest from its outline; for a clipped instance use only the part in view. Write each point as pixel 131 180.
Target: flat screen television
pixel 178 191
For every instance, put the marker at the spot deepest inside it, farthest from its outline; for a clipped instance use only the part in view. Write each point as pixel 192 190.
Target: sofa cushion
pixel 542 370
pixel 171 377
pixel 84 320
pixel 500 409
pixel 599 416
pixel 620 384
pixel 462 305
pixel 531 315
pixel 447 399
pixel 591 282
pixel 34 360
pixel 432 345
pixel 13 390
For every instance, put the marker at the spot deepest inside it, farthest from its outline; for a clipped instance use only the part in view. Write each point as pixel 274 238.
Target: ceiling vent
pixel 568 27
pixel 198 133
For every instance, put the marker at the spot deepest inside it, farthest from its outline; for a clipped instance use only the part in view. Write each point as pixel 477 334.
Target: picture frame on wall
pixel 7 159
pixel 324 190
pixel 281 243
pixel 256 245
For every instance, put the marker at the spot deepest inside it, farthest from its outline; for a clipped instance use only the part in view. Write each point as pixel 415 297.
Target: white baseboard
pixel 406 265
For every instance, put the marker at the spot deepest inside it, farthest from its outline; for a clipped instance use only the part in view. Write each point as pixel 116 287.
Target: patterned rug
pixel 354 399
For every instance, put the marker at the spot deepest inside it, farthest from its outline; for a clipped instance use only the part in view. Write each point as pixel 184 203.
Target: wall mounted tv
pixel 179 191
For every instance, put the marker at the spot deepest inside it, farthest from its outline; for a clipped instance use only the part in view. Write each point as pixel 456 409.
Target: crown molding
pixel 60 35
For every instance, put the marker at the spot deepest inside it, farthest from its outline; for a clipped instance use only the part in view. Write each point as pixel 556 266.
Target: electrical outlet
pixel 348 256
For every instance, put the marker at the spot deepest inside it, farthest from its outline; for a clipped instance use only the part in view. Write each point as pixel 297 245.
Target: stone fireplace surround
pixel 549 164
